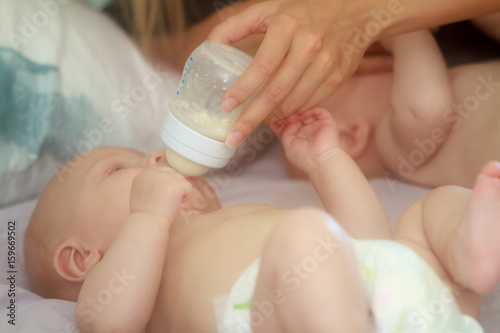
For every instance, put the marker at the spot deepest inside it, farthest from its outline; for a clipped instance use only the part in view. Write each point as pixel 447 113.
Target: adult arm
pixel 176 47
pixel 311 47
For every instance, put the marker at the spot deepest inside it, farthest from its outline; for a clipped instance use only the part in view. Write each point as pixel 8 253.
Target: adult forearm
pixel 411 15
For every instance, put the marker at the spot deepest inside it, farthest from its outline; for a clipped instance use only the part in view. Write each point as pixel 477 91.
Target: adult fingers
pixel 342 70
pixel 252 21
pixel 320 72
pixel 275 58
pixel 277 90
pixel 270 54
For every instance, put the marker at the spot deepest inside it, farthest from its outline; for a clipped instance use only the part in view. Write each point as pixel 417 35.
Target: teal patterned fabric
pixel 34 115
pixel 100 4
pixel 26 108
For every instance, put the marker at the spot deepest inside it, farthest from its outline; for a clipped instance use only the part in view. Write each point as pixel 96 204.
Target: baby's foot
pixel 480 230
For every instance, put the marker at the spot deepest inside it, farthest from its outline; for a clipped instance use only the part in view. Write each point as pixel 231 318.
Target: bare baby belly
pixel 205 267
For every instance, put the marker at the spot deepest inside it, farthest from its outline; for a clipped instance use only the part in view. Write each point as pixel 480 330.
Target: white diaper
pixel 233 311
pixel 404 292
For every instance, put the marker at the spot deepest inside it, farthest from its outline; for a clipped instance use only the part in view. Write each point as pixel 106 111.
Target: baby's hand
pixel 160 191
pixel 309 138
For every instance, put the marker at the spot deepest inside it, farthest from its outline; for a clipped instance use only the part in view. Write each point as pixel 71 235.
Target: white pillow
pixel 70 80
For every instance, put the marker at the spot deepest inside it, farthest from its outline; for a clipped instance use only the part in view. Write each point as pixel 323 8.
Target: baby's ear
pixel 73 260
pixel 354 137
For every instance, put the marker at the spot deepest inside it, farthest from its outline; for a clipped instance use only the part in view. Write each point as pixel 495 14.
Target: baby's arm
pixel 489 24
pixel 132 268
pixel 310 141
pixel 420 97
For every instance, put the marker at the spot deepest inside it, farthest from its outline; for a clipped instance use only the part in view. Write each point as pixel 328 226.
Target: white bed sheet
pixel 263 181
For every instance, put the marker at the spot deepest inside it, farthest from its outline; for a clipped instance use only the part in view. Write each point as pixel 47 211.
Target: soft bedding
pixel 262 181
pixel 70 80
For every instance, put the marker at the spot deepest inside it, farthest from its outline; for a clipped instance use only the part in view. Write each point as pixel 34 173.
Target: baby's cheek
pixel 117 207
pixel 124 187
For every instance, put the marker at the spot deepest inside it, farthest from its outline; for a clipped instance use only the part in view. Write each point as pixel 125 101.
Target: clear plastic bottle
pixel 195 126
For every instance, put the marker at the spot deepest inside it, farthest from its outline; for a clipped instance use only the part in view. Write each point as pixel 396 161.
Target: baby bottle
pixel 195 126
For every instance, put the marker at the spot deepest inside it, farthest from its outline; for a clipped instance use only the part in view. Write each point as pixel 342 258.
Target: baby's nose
pixel 156 157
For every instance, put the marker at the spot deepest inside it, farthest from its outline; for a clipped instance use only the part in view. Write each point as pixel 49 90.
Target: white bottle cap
pixel 192 145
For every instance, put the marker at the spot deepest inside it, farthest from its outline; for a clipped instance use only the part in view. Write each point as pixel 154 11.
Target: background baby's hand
pixel 159 190
pixel 309 138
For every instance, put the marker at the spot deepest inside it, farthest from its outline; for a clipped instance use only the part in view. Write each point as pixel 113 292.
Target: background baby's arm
pixel 421 96
pixel 489 24
pixel 129 275
pixel 310 141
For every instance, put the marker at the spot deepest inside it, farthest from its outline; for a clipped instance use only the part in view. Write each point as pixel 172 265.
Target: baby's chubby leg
pixel 462 228
pixel 308 280
pixel 478 236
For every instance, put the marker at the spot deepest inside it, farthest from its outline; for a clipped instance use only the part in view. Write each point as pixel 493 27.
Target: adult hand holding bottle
pixel 312 46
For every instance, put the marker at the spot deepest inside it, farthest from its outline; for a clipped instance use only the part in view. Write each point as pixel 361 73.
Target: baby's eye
pixel 113 169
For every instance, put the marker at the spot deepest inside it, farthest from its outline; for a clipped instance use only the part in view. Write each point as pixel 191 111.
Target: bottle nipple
pixel 184 166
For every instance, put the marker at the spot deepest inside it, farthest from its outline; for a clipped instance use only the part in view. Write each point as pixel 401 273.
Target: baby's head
pixel 363 99
pixel 358 108
pixel 80 211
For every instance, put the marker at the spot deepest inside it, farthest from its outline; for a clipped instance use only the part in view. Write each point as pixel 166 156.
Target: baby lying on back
pixel 423 122
pixel 143 249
